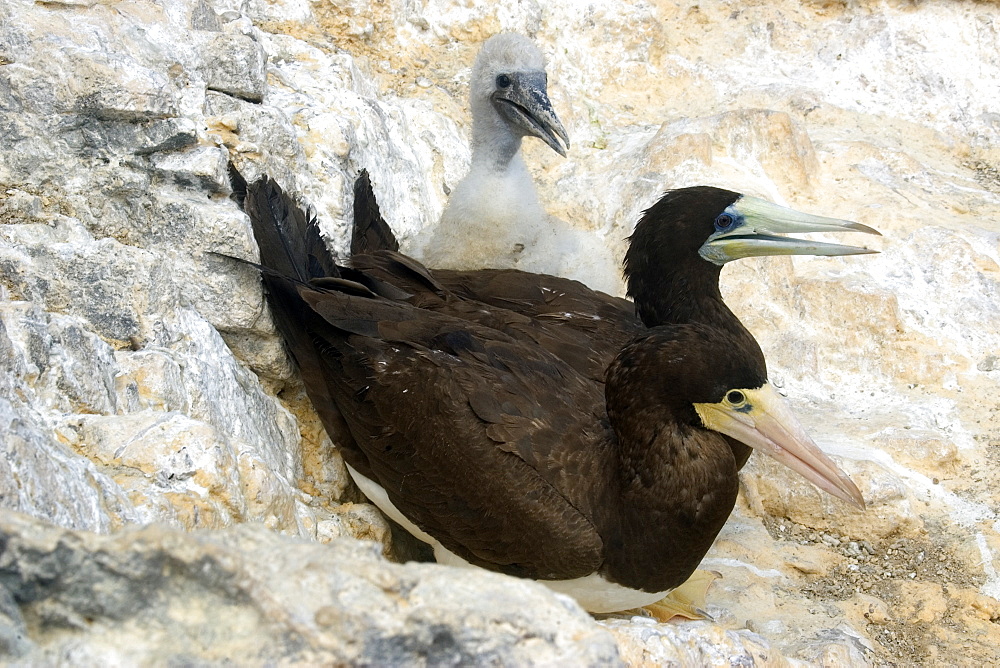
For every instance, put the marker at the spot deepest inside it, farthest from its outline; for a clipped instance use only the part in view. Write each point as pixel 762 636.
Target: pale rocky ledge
pixel 168 495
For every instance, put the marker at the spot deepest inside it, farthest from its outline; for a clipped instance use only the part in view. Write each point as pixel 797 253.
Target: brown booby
pixel 497 452
pixel 496 204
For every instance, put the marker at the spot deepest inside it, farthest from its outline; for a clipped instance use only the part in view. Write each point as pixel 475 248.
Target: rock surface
pixel 141 380
pixel 249 595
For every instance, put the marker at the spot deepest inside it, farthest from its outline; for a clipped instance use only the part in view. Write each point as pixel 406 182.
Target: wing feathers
pixel 485 439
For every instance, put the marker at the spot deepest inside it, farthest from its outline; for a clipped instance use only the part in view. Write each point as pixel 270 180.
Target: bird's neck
pixel 493 213
pixel 684 292
pixel 677 486
pixel 494 145
pixel 689 293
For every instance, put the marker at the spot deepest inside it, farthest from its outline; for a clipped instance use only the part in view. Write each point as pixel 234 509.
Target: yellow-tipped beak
pixel 762 419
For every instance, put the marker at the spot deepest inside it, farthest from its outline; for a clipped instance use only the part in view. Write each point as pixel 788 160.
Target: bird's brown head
pixel 680 244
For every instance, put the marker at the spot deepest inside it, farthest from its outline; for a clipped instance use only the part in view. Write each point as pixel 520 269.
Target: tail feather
pixel 293 255
pixel 287 235
pixel 238 184
pixel 371 232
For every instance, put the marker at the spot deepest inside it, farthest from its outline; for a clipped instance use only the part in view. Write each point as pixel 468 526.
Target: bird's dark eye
pixel 503 81
pixel 725 222
pixel 735 397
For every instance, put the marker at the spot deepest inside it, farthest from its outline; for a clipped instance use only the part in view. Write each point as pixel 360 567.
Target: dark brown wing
pixel 583 327
pixel 473 418
pixel 492 446
pixel 570 310
pixel 527 307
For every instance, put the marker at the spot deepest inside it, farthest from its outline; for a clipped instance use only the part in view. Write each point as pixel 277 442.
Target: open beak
pixel 764 421
pixel 757 221
pixel 525 103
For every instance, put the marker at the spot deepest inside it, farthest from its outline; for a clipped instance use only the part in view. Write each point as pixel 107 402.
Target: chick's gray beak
pixel 748 228
pixel 524 102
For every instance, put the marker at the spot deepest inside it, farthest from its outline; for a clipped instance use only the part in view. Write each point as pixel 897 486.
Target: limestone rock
pixel 160 595
pixel 234 65
pixel 141 379
pixel 693 644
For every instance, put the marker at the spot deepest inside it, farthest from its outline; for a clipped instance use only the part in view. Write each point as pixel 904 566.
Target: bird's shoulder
pixel 583 327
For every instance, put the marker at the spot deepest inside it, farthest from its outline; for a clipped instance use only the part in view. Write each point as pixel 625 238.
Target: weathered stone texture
pixel 249 595
pixel 141 379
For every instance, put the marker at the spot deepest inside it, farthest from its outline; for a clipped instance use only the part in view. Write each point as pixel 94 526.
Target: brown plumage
pixel 498 432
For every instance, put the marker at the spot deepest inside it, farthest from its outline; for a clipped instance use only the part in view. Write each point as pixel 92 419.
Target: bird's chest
pixel 506 199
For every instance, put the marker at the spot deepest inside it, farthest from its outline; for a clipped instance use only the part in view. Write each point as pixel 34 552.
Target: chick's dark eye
pixel 724 222
pixel 503 81
pixel 735 397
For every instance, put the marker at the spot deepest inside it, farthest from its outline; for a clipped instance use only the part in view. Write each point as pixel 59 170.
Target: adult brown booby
pixel 500 454
pixel 496 204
